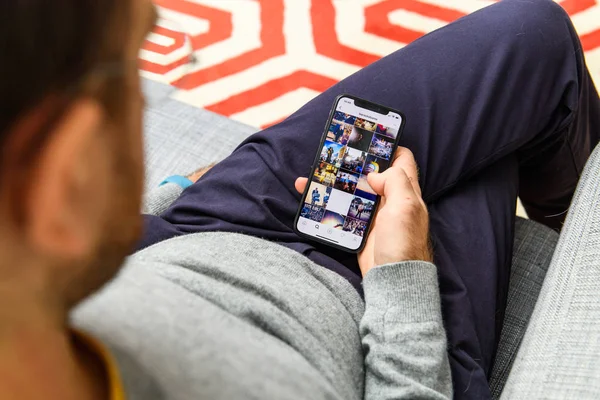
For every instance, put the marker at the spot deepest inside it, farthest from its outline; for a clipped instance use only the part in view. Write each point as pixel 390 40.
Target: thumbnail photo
pixel 336 121
pixel 346 136
pixel 385 131
pixel 325 174
pixel 331 153
pixel 363 186
pixel 339 133
pixel 360 139
pixel 333 220
pixel 364 124
pixel 318 195
pixel 366 195
pixel 353 160
pixel 355 226
pixel 339 202
pixel 347 118
pixel 361 208
pixel 312 212
pixel 375 164
pixel 381 147
pixel 333 130
pixel 346 181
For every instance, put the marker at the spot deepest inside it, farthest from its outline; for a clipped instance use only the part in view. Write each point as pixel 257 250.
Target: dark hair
pixel 47 46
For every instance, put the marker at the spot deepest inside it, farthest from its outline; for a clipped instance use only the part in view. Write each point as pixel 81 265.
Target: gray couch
pixel 550 343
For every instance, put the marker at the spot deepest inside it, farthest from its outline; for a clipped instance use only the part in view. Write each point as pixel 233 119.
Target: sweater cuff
pixel 408 290
pixel 160 198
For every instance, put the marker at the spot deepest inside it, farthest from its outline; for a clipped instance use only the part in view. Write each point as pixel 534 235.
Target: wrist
pixel 200 173
pixel 423 254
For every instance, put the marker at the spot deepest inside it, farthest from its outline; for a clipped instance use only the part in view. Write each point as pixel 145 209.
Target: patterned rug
pixel 257 61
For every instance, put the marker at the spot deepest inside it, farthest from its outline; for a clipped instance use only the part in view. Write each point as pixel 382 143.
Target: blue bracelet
pixel 179 180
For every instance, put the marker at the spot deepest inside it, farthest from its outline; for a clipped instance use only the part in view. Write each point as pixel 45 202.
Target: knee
pixel 544 16
pixel 546 9
pixel 540 28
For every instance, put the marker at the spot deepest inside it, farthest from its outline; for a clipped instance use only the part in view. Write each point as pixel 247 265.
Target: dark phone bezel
pixel 369 105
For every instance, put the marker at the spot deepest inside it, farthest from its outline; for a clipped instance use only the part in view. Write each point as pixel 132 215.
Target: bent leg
pixel 505 79
pixel 472 235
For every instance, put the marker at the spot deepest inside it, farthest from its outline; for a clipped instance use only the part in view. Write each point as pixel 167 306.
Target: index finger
pixel 404 158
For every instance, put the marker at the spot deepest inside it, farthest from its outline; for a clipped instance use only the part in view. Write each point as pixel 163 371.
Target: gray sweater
pixel 227 316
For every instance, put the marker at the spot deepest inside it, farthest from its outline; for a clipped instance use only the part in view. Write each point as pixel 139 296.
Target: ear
pixel 61 215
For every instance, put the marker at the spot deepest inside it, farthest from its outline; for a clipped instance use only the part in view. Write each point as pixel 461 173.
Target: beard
pixel 118 242
pixel 121 231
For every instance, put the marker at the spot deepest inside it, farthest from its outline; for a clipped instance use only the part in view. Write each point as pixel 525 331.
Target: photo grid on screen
pixel 339 195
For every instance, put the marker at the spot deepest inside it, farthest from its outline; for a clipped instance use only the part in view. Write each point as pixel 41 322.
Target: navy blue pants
pixel 498 104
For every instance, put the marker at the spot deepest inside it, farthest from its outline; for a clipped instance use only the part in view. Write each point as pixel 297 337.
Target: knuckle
pixel 423 207
pixel 410 156
pixel 400 151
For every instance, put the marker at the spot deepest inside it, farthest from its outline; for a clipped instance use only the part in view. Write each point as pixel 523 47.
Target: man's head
pixel 71 163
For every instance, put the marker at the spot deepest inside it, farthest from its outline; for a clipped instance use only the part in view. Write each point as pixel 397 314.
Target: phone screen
pixel 338 206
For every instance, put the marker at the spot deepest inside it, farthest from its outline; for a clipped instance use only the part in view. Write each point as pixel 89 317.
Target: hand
pixel 198 174
pixel 400 230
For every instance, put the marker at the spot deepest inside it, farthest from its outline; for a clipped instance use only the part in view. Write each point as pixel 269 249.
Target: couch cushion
pixel 180 138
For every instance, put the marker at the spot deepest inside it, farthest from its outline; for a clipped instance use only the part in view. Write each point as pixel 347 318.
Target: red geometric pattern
pixel 261 59
pixel 378 22
pixel 271 37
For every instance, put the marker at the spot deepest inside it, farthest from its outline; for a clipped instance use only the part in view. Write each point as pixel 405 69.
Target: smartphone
pixel 338 205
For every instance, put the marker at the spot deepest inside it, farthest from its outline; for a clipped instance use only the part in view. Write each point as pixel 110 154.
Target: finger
pixel 398 153
pixel 300 184
pixel 402 152
pixel 397 186
pixel 200 173
pixel 405 159
pixel 392 185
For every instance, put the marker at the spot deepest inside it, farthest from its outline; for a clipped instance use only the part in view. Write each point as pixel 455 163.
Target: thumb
pixel 396 185
pixel 391 184
pixel 377 182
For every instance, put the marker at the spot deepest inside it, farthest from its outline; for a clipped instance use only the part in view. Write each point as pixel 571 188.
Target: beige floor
pixel 520 210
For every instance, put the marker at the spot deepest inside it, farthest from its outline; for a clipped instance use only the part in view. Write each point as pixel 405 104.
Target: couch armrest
pixel 532 253
pixel 180 139
pixel 559 355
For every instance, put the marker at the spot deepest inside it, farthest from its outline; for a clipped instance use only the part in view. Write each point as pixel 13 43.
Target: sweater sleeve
pixel 403 336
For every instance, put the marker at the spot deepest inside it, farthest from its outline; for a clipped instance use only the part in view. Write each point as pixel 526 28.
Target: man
pixel 497 104
pixel 224 315
pixel 361 209
pixel 70 194
pixel 338 133
pixel 329 155
pixel 315 196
